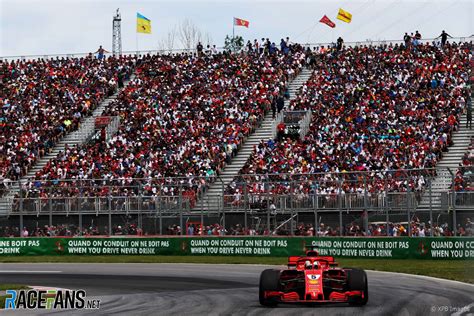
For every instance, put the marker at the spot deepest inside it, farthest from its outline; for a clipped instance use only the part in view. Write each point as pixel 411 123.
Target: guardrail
pixel 460 199
pixel 284 203
pixel 321 202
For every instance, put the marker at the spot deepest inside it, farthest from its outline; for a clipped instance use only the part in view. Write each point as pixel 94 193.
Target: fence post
pixel 140 221
pixel 245 201
pixel 268 211
pixel 159 211
pixel 222 200
pixel 202 211
pixel 80 223
pixel 408 207
pixel 110 215
pixel 431 208
pixel 223 220
pixel 161 216
pixel 245 219
pixel 315 223
pixel 454 203
pixel 21 206
pixel 386 205
pixel 50 211
pixel 140 197
pixel 339 195
pixel 180 198
pixel 365 191
pixel 341 231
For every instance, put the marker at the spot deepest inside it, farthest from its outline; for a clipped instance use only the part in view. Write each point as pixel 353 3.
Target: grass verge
pixel 453 270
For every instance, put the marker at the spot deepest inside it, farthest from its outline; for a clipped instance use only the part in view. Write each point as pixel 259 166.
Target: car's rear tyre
pixel 269 281
pixel 357 281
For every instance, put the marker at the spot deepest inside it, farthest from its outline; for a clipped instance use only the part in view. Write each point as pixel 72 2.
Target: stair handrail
pixel 113 127
pixel 85 131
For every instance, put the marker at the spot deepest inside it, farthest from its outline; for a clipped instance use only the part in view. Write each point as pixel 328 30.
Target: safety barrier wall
pixel 461 248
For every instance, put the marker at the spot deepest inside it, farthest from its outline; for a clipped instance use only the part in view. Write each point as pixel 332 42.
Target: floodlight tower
pixel 116 34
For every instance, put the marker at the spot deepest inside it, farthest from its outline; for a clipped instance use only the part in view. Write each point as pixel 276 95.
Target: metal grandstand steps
pixel 451 160
pixel 212 199
pixel 74 138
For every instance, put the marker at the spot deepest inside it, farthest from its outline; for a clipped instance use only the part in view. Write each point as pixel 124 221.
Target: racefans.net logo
pixel 49 299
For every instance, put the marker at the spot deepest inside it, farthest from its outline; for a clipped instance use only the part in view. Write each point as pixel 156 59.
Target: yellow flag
pixel 344 16
pixel 143 24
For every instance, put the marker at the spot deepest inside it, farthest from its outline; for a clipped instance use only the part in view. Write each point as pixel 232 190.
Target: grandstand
pixel 372 133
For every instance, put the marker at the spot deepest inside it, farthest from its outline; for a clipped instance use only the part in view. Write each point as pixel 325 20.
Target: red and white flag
pixel 327 21
pixel 241 22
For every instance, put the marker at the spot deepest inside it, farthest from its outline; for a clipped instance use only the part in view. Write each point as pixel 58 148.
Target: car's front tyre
pixel 357 281
pixel 269 281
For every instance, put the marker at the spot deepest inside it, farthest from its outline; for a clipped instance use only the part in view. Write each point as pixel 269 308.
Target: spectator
pixel 280 103
pixel 340 42
pixel 24 232
pixel 407 40
pixel 199 48
pixel 101 53
pixel 274 107
pixel 417 36
pixel 444 38
pixel 281 131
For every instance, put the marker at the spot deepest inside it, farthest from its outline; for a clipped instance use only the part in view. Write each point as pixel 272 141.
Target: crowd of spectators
pixel 42 100
pixel 183 115
pixel 375 108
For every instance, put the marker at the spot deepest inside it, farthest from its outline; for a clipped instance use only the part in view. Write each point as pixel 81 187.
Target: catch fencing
pixel 265 203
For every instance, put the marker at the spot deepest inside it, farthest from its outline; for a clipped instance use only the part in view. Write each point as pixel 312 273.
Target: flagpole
pixel 136 42
pixel 233 34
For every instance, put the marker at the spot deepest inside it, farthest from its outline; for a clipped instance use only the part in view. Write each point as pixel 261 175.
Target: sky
pixel 47 27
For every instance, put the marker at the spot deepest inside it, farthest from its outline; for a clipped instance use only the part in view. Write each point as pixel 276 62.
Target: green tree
pixel 233 44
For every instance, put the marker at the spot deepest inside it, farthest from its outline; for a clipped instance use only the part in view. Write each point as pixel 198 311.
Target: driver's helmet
pixel 308 265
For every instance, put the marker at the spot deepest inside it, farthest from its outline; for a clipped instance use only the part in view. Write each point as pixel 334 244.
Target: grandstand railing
pixel 373 190
pixel 395 201
pixel 461 199
pixel 367 42
pixel 266 201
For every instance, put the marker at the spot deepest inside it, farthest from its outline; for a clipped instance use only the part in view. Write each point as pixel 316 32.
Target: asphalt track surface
pixel 200 289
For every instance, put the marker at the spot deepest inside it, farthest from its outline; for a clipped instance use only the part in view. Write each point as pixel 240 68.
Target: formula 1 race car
pixel 313 279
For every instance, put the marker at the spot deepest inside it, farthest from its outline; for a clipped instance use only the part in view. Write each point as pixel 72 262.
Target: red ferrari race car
pixel 313 279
